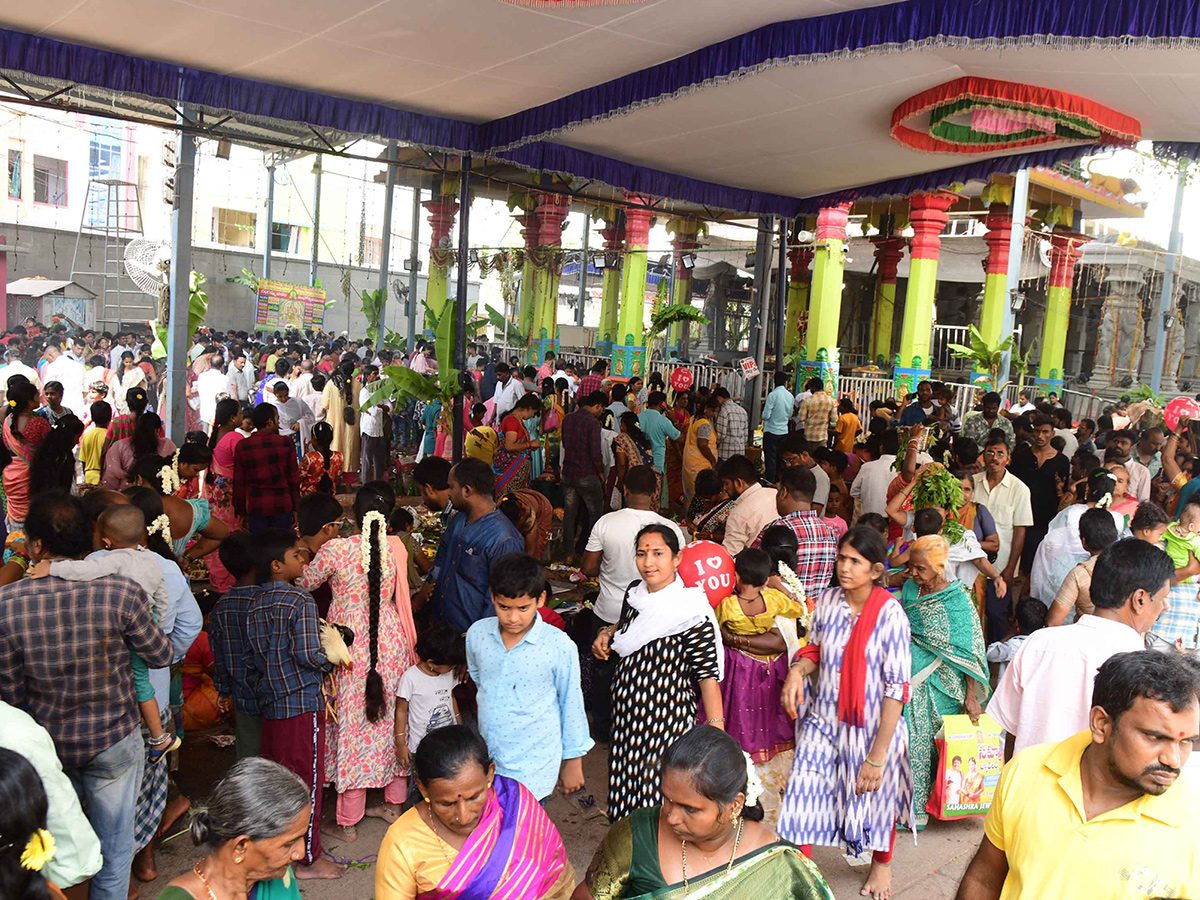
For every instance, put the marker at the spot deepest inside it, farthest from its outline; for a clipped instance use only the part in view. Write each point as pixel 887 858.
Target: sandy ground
pixel 928 871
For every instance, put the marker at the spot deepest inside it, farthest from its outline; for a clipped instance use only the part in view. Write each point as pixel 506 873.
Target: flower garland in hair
pixel 161 525
pixel 39 850
pixel 364 544
pixel 1105 502
pixel 792 582
pixel 168 475
pixel 754 785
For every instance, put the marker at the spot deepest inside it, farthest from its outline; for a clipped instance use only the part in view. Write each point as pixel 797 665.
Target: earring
pixel 238 860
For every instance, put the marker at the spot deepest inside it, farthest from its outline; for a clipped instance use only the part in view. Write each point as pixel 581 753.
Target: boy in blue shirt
pixel 527 672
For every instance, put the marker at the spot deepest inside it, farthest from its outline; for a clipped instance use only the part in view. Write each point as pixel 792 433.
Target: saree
pixel 947 649
pixel 514 852
pixel 625 867
pixel 513 468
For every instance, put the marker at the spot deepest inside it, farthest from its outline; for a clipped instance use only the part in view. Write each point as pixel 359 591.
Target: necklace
pixel 204 881
pixel 931 589
pixel 737 838
pixel 433 825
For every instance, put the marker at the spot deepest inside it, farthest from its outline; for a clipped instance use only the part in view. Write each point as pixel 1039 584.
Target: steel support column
pixel 270 229
pixel 583 267
pixel 460 304
pixel 316 216
pixel 1174 255
pixel 178 339
pixel 758 309
pixel 414 260
pixel 386 249
pixel 1016 246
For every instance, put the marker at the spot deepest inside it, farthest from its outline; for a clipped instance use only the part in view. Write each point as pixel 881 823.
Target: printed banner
pixel 283 305
pixel 971 757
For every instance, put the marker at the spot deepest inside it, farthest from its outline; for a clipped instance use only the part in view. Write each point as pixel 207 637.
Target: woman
pixel 847 428
pixel 669 651
pixel 147 440
pixel 219 481
pixel 475 834
pixel 511 463
pixel 555 401
pixel 699 447
pixel 252 830
pixel 681 419
pixel 851 783
pixel 431 420
pixel 338 401
pixel 54 465
pixel 710 507
pixel 710 805
pixel 369 578
pixel 630 448
pixel 23 432
pixel 1061 550
pixel 189 518
pixel 1123 503
pixel 129 375
pixel 27 845
pixel 321 467
pixel 949 659
pixel 975 516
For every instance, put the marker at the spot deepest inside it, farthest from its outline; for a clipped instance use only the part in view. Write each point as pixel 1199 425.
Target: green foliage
pixel 1143 392
pixel 936 486
pixel 400 382
pixel 246 279
pixel 197 311
pixel 667 316
pixel 986 357
pixel 372 308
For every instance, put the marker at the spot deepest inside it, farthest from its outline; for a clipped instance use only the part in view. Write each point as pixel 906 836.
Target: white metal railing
pixel 943 357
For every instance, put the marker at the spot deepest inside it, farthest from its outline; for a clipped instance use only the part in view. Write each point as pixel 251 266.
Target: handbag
pixel 970 758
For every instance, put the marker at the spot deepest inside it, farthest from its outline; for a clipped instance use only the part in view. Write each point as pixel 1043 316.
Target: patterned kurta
pixel 361 754
pixel 654 703
pixel 820 806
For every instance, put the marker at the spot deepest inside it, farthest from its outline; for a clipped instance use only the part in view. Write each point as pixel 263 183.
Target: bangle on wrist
pixel 720 719
pixel 871 762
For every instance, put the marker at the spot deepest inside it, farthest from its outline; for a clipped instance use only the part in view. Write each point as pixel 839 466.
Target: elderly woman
pixel 474 833
pixel 710 794
pixel 252 831
pixel 949 658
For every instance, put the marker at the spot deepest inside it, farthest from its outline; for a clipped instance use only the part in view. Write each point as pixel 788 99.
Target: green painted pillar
pixel 528 221
pixel 610 297
pixel 551 211
pixel 995 283
pixel 441 257
pixel 629 352
pixel 928 218
pixel 825 299
pixel 1065 249
pixel 889 251
pixel 686 239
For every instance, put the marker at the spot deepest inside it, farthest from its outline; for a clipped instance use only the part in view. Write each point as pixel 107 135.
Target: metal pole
pixel 413 262
pixel 270 220
pixel 460 304
pixel 1174 251
pixel 584 262
pixel 385 250
pixel 178 338
pixel 1016 245
pixel 758 308
pixel 781 296
pixel 312 266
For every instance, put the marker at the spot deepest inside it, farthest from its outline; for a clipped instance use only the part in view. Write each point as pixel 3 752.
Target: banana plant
pixel 986 357
pixel 664 317
pixel 372 307
pixel 197 311
pixel 398 383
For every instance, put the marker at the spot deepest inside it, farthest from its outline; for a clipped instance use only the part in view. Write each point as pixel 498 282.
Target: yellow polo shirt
pixel 1145 849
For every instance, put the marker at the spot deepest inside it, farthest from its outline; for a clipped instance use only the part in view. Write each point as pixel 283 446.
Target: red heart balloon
pixel 1180 406
pixel 681 379
pixel 708 565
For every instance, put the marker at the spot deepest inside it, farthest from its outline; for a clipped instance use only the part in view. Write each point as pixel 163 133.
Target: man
pixel 1085 433
pixel 979 424
pixel 302 383
pixel 291 413
pixel 582 468
pixel 210 385
pixel 1007 499
pixel 617 407
pixel 1062 429
pixel 818 541
pixel 64 658
pixel 15 366
pixel 775 414
pixel 1043 469
pixel 594 380
pixel 611 557
pixel 1149 450
pixel 477 536
pixel 121 342
pixel 1121 444
pixel 870 485
pixel 733 427
pixel 78 350
pixel 473 356
pixel 266 486
pixel 1022 405
pixel 818 411
pixel 1045 693
pixel 70 374
pixel 238 378
pixel 755 505
pixel 374 449
pixel 796 451
pixel 917 412
pixel 508 391
pixel 659 429
pixel 1103 813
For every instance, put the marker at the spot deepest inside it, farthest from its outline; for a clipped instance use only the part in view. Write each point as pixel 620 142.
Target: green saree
pixel 947 649
pixel 625 867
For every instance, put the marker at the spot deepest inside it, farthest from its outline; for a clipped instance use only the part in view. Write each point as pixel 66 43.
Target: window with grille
pixel 49 181
pixel 372 251
pixel 234 228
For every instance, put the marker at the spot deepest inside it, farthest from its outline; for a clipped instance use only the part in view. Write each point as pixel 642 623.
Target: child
pixel 230 647
pixel 319 520
pixel 527 672
pixel 91 445
pixel 876 522
pixel 1149 523
pixel 1097 532
pixel 287 666
pixel 756 662
pixel 1180 622
pixel 401 523
pixel 1031 615
pixel 122 531
pixel 425 699
pixel 481 441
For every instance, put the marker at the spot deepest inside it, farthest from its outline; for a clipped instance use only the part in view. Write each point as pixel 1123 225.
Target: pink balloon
pixel 681 379
pixel 708 565
pixel 1179 407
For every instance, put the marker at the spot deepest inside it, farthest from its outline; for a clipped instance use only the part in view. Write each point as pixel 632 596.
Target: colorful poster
pixel 282 305
pixel 749 367
pixel 971 759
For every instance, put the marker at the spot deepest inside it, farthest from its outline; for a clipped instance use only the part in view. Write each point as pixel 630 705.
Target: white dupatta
pixel 666 612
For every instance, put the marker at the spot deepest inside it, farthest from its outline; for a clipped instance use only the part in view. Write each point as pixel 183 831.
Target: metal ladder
pixel 121 302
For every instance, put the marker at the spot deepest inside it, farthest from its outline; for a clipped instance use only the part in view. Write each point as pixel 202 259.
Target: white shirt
pixel 194 353
pixel 370 421
pixel 239 383
pixel 612 536
pixel 1139 479
pixel 572 382
pixel 210 385
pixel 429 702
pixel 291 412
pixel 302 385
pixel 753 511
pixel 114 356
pixel 871 484
pixel 71 375
pixel 821 494
pixel 507 395
pixel 1008 502
pixel 1045 695
pixel 1070 442
pixel 1019 409
pixel 16 368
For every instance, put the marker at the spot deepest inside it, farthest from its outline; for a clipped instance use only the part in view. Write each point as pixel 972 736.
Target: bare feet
pixel 879 881
pixel 321 868
pixel 133 890
pixel 386 811
pixel 345 833
pixel 145 869
pixel 176 807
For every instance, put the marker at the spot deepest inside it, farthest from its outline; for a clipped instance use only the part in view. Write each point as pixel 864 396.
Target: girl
pixel 321 466
pixel 22 432
pixel 129 375
pixel 53 467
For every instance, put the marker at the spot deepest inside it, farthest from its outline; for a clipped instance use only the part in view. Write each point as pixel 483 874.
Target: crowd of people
pixel 311 571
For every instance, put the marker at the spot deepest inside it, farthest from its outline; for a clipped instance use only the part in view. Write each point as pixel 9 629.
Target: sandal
pixel 156 754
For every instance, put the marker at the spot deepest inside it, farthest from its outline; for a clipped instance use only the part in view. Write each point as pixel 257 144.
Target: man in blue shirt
pixel 919 410
pixel 658 428
pixel 477 536
pixel 530 699
pixel 775 414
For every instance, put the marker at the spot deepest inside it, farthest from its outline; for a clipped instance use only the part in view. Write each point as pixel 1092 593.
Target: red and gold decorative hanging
pixel 983 115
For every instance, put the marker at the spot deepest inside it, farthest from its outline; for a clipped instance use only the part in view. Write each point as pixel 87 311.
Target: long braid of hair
pixel 374 691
